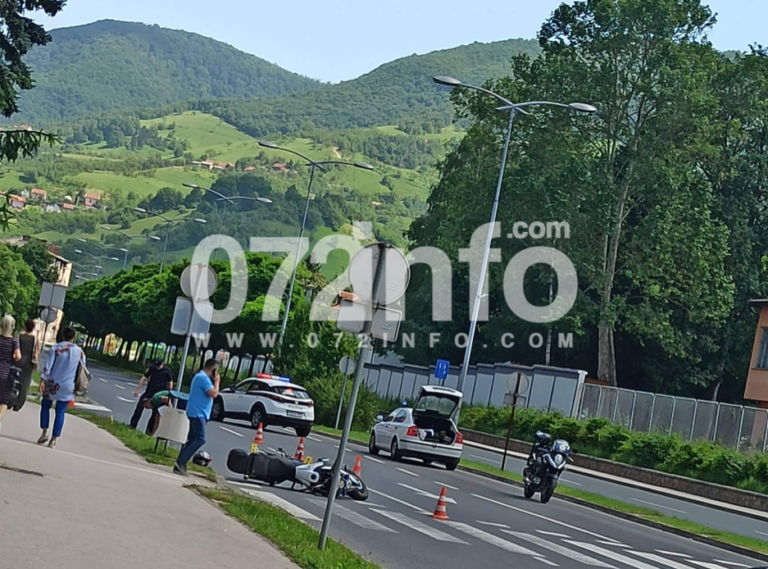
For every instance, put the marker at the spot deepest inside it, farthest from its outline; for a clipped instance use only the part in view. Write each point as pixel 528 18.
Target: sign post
pixel 347 367
pixel 511 399
pixel 441 370
pixel 52 297
pixel 379 275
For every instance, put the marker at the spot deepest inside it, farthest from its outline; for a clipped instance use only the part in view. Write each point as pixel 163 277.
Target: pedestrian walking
pixel 58 384
pixel 9 355
pixel 202 392
pixel 28 361
pixel 158 378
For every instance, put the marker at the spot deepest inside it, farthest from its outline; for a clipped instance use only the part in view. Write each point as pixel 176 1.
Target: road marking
pixel 660 560
pixel 120 386
pixel 705 564
pixel 427 494
pixel 407 472
pixel 674 553
pixel 316 439
pixel 564 551
pixel 616 543
pixel 547 561
pixel 282 504
pixel 493 524
pixel 230 431
pixel 571 483
pixel 484 459
pixel 558 522
pixel 731 563
pixel 658 505
pixel 375 459
pixel 492 539
pixel 611 554
pixel 446 485
pixel 552 533
pixel 419 527
pixel 761 533
pixel 102 379
pixel 125 400
pixel 95 407
pixel 354 517
pixel 398 500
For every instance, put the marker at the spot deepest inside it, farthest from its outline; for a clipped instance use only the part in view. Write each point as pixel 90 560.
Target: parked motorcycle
pixel 545 465
pixel 276 468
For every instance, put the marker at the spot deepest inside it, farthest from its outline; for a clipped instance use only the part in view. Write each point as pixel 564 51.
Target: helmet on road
pixel 202 458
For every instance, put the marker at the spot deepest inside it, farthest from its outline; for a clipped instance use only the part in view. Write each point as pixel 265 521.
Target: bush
pixel 326 392
pixel 646 450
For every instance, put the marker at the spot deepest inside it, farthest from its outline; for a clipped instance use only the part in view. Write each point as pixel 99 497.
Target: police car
pixel 269 400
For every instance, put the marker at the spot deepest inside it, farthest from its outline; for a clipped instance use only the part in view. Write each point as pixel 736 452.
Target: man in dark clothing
pixel 158 378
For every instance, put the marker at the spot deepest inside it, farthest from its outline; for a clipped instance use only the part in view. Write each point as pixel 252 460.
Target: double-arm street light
pixel 98 258
pixel 168 222
pixel 107 249
pixel 512 109
pixel 224 200
pixel 314 165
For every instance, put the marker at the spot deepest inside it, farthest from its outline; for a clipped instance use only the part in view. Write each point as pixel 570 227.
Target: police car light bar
pixel 275 377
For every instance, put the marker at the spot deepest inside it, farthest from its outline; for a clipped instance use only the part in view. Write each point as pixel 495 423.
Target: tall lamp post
pixel 107 249
pixel 168 222
pixel 512 109
pixel 314 165
pixel 98 258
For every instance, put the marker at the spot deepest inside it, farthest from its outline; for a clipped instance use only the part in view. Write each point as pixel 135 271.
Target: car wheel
pixel 303 431
pixel 372 448
pixel 217 411
pixel 258 417
pixel 453 465
pixel 394 450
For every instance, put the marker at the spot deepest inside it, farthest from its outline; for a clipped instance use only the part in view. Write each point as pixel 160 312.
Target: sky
pixel 335 41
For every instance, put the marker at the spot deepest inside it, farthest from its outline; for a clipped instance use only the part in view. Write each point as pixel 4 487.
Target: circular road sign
pixel 48 315
pixel 395 274
pixel 347 365
pixel 525 383
pixel 199 282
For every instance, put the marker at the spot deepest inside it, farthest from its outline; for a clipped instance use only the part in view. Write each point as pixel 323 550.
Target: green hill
pixel 109 65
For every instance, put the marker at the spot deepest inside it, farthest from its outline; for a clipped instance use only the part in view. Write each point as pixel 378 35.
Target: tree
pixel 166 199
pixel 19 290
pixel 35 254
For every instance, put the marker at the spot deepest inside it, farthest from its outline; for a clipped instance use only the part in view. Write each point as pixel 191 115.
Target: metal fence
pixel 734 426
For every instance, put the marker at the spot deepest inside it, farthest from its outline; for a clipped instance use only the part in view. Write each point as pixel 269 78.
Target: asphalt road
pixel 394 529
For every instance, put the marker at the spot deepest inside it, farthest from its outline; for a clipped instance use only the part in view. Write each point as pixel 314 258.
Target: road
pixel 393 527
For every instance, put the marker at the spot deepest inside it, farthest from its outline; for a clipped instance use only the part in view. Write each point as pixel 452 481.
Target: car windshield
pixel 289 391
pixel 442 405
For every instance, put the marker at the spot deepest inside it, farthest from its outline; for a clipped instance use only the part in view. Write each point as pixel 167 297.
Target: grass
pixel 295 539
pixel 357 436
pixel 638 511
pixel 141 444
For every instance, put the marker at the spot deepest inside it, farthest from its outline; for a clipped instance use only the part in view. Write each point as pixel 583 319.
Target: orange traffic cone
pixel 440 510
pixel 259 438
pixel 300 450
pixel 358 469
pixel 71 404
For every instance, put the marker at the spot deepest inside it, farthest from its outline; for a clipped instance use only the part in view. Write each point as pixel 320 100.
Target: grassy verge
pixel 140 443
pixel 357 436
pixel 638 511
pixel 294 538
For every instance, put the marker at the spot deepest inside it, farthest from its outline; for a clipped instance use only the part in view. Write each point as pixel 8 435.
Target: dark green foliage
pixel 19 289
pixel 36 256
pixel 112 65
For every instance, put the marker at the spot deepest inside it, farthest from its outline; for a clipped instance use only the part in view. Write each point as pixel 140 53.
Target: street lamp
pixel 224 200
pixel 98 258
pixel 107 249
pixel 512 109
pixel 168 222
pixel 314 165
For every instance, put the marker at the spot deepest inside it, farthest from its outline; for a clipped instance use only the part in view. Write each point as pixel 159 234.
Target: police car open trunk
pixel 433 414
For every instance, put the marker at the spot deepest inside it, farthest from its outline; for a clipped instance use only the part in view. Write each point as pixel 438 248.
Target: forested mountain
pixel 110 65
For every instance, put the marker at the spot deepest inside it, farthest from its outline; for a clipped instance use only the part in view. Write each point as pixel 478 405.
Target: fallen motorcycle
pixel 277 468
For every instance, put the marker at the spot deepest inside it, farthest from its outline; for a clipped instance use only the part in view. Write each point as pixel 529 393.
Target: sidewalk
pixel 97 504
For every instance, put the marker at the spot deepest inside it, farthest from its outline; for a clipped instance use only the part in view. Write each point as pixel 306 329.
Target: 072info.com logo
pixel 437 260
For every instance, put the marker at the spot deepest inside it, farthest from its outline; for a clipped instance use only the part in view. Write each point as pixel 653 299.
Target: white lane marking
pixel 493 524
pixel 552 533
pixel 316 439
pixel 446 485
pixel 89 407
pixel 614 543
pixel 426 494
pixel 558 522
pixel 103 380
pixel 564 551
pixel 282 504
pixel 673 553
pixel 120 386
pixel 705 564
pixel 230 431
pixel 398 500
pixel 492 539
pixel 547 561
pixel 731 563
pixel 761 533
pixel 570 483
pixel 484 459
pixel 407 472
pixel 419 527
pixel 660 560
pixel 124 400
pixel 354 517
pixel 375 459
pixel 611 555
pixel 658 505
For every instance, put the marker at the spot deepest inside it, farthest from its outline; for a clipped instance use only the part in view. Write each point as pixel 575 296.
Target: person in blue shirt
pixel 202 392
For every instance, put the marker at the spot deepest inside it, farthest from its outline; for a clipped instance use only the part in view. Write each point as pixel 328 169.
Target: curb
pixel 629 517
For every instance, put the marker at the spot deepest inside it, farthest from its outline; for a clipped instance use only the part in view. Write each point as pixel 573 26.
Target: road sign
pixel 347 365
pixel 197 289
pixel 519 382
pixel 48 315
pixel 188 321
pixel 441 369
pixel 52 296
pixel 395 274
pixel 385 324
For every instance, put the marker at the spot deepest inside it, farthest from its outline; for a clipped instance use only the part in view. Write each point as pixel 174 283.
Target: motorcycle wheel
pixel 547 493
pixel 360 495
pixel 528 492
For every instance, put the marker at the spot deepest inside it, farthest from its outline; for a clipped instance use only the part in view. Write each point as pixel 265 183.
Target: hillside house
pixel 280 167
pixel 213 165
pixel 18 202
pixel 68 207
pixel 91 199
pixel 250 168
pixel 38 195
